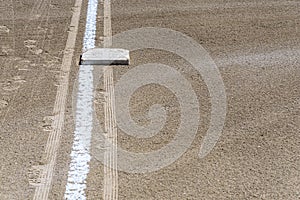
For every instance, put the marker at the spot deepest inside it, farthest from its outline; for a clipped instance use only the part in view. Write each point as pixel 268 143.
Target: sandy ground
pixel 256 46
pixel 33 36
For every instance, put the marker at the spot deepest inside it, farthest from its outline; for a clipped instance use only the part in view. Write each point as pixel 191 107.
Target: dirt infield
pixel 256 47
pixel 33 37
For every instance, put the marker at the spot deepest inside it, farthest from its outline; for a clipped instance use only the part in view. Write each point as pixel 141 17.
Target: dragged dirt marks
pixel 13 84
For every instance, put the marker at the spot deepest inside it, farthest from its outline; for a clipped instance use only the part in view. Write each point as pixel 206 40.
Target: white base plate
pixel 105 56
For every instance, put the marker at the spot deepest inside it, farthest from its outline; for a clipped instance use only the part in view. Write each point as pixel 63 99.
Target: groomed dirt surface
pixel 256 46
pixel 33 37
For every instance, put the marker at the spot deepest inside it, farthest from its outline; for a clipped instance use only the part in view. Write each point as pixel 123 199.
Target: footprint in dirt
pixel 3 104
pixel 6 50
pixel 30 43
pixel 13 84
pixel 32 47
pixel 4 30
pixel 34 174
pixel 47 123
pixel 38 51
pixel 19 79
pixel 23 65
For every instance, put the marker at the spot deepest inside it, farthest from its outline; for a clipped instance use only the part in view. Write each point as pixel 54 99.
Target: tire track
pixel 110 186
pixel 43 189
pixel 110 190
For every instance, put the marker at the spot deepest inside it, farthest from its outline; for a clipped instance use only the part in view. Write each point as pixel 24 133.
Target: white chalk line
pixel 80 155
pixel 42 190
